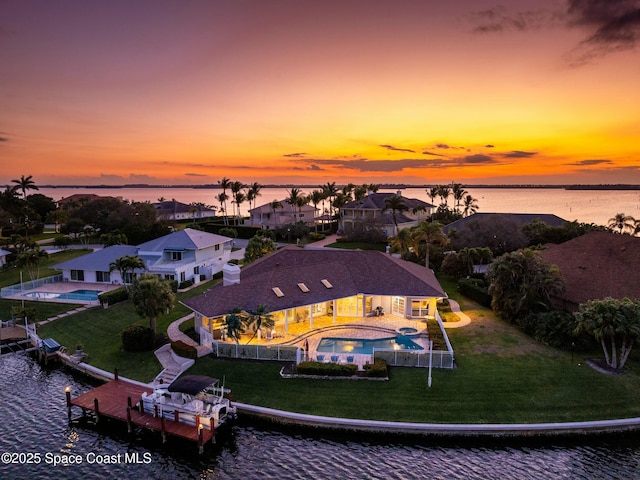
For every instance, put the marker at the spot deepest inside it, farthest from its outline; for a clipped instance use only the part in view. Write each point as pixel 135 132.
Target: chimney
pixel 230 274
pixel 399 193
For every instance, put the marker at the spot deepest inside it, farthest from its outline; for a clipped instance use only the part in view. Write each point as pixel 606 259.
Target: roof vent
pixel 303 287
pixel 326 283
pixel 278 292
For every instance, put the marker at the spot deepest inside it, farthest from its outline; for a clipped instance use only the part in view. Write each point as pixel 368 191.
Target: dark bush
pixel 327 369
pixel 114 296
pixel 243 231
pixel 377 369
pixel 474 289
pixel 554 328
pixel 174 285
pixel 228 232
pixel 314 237
pixel 136 338
pixel 186 284
pixel 183 350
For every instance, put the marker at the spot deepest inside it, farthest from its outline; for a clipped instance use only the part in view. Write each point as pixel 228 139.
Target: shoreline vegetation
pixel 384 186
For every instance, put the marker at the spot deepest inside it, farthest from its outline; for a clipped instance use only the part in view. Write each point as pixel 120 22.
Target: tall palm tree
pixel 258 318
pixel 470 205
pixel 236 187
pixel 458 195
pixel 238 199
pixel 225 183
pixel 430 232
pixel 253 193
pixel 275 204
pixel 433 192
pixel 622 223
pixel 443 192
pixel 222 198
pixel 315 198
pixel 396 204
pixel 294 195
pixel 234 324
pixel 25 183
pixel 330 190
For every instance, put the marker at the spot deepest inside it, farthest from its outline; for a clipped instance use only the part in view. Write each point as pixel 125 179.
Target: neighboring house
pixel 185 255
pixel 174 210
pixel 297 284
pixel 76 200
pixel 519 218
pixel 270 218
pixel 595 266
pixel 373 207
pixel 3 256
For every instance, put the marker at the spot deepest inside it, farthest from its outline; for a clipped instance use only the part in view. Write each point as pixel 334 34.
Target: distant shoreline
pixel 382 186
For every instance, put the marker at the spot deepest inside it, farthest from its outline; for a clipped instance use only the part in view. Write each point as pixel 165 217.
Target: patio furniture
pixel 349 358
pixel 334 358
pixel 320 358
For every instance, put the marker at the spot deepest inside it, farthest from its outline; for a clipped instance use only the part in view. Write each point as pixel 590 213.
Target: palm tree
pixel 258 318
pixel 222 198
pixel 396 204
pixel 430 232
pixel 622 223
pixel 315 198
pixel 236 187
pixel 458 195
pixel 239 198
pixel 433 193
pixel 275 204
pixel 24 184
pixel 224 183
pixel 234 324
pixel 330 190
pixel 31 259
pixel 151 297
pixel 470 205
pixel 292 199
pixel 126 266
pixel 443 192
pixel 253 193
pixel 401 241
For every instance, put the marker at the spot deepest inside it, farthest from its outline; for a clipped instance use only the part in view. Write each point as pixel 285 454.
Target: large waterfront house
pixel 373 207
pixel 184 255
pixel 174 210
pixel 595 266
pixel 271 218
pixel 300 284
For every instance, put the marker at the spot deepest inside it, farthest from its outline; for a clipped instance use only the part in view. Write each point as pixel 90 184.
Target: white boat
pixel 190 399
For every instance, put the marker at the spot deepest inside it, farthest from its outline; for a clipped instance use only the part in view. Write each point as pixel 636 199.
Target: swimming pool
pixel 361 345
pixel 84 295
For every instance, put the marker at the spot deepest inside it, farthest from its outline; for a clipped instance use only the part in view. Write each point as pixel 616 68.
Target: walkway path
pixel 464 319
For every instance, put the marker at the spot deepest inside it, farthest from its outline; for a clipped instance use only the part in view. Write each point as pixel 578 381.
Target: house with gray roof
pixel 184 255
pixel 300 284
pixel 271 218
pixel 174 210
pixel 372 207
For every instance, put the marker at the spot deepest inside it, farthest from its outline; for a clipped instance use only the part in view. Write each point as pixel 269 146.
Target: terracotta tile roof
pixel 597 265
pixel 350 272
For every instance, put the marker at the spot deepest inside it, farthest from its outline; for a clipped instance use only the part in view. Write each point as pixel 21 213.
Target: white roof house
pixel 184 255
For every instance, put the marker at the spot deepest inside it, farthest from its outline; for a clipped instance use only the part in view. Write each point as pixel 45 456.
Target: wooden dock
pixel 115 400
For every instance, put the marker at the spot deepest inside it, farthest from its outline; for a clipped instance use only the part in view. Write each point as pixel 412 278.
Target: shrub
pixel 377 369
pixel 136 338
pixel 474 289
pixel 174 285
pixel 183 350
pixel 114 296
pixel 186 284
pixel 327 369
pixel 228 232
pixel 314 237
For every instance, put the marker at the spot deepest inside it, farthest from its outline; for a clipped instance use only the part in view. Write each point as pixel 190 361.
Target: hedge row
pixel 244 231
pixel 183 350
pixel 470 288
pixel 114 296
pixel 327 369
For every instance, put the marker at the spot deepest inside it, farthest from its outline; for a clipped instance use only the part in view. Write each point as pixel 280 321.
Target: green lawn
pixel 11 276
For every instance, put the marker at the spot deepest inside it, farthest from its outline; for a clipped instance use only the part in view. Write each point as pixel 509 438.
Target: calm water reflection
pixel 33 417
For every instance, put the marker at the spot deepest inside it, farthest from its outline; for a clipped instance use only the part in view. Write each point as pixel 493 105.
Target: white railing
pixel 19 288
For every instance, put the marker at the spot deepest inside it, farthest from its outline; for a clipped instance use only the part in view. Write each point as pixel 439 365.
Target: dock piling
pixel 97 410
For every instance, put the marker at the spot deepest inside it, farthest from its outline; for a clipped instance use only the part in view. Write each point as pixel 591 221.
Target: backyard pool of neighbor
pixel 83 295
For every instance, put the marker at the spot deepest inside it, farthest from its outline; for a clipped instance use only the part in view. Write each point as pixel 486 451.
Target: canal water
pixel 35 433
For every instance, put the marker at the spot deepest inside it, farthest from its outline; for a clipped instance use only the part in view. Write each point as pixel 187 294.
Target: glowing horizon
pixel 414 92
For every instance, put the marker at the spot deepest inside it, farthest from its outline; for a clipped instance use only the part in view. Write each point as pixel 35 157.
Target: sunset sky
pixel 277 91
